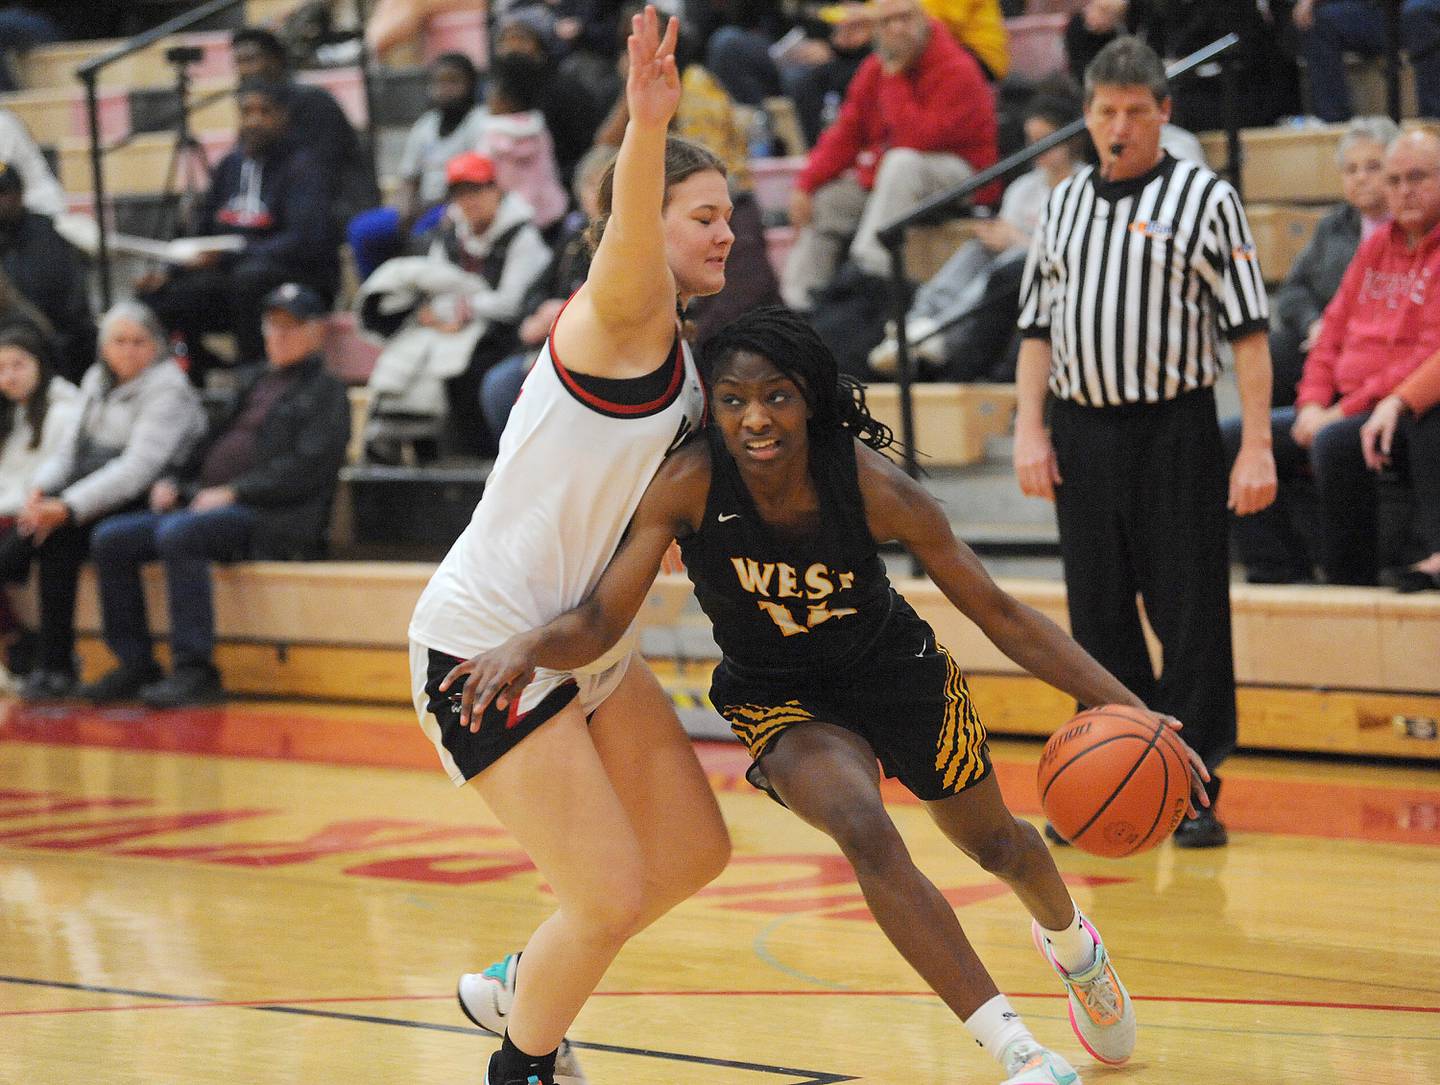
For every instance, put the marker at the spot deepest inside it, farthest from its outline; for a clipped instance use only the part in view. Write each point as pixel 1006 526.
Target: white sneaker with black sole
pixel 486 997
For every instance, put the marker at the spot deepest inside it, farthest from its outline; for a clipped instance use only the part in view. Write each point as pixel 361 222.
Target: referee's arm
pixel 1244 312
pixel 1252 479
pixel 1036 467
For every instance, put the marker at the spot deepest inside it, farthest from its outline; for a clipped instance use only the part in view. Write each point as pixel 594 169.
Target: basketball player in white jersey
pixel 590 771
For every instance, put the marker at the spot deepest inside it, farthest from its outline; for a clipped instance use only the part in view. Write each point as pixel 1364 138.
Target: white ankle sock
pixel 997 1028
pixel 1073 947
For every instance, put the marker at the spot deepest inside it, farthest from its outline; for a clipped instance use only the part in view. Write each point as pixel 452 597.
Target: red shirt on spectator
pixel 941 103
pixel 1383 322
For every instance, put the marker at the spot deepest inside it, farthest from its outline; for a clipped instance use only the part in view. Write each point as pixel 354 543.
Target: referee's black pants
pixel 1142 512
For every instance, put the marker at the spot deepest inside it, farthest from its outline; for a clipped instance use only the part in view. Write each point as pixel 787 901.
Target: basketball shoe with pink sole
pixel 1101 1012
pixel 485 997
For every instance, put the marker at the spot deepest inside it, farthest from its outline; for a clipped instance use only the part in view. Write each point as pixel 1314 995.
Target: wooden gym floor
pixel 272 893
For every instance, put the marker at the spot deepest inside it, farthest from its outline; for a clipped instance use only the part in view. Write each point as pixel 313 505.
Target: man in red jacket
pixel 1382 324
pixel 918 118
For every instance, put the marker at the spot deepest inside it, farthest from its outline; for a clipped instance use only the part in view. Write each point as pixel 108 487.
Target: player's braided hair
pixel 790 344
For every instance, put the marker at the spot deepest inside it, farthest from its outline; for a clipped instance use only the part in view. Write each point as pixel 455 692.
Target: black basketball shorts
pixel 907 699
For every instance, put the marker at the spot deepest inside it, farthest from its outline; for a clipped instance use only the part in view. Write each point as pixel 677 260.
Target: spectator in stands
pixel 500 386
pixel 1406 425
pixel 21 29
pixel 962 322
pixel 1176 29
pixel 37 413
pixel 138 416
pixel 451 314
pixel 39 266
pixel 43 193
pixel 1376 331
pixel 917 119
pixel 316 121
pixel 394 23
pixel 260 485
pixel 572 113
pixel 818 89
pixel 515 138
pixel 1315 276
pixel 452 125
pixel 1331 28
pixel 271 193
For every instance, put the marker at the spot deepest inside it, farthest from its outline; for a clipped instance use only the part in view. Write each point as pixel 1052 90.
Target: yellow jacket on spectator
pixel 977 25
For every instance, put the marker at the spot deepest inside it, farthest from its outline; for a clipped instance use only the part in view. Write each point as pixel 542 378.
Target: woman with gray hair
pixel 1317 271
pixel 138 415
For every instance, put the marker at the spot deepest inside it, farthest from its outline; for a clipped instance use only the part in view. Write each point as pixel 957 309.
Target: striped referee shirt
pixel 1132 280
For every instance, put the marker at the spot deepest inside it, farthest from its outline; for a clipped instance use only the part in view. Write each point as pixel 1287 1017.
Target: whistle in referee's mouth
pixel 1107 169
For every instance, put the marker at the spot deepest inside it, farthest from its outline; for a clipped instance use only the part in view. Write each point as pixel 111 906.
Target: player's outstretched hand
pixel 1199 774
pixel 652 88
pixel 498 675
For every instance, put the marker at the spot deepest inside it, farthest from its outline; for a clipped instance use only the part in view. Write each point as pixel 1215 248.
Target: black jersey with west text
pixel 792 606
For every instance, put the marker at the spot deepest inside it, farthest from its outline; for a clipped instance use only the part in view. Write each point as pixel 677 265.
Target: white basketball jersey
pixel 571 471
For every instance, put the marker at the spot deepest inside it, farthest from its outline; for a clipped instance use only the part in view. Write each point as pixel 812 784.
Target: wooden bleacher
pixel 952 421
pixel 1321 669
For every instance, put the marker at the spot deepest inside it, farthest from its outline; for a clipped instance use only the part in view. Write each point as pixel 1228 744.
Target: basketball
pixel 1114 781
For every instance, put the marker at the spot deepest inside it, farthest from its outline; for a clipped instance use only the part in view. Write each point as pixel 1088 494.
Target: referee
pixel 1138 267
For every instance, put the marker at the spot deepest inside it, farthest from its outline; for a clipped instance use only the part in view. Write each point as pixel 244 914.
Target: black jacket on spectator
pixel 287 218
pixel 319 124
pixel 46 270
pixel 1313 280
pixel 299 450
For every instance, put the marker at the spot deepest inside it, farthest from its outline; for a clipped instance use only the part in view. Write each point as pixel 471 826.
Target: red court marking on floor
pixel 1184 1000
pixel 328 735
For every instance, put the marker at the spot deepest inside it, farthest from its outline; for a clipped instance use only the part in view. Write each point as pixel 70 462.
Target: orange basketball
pixel 1113 781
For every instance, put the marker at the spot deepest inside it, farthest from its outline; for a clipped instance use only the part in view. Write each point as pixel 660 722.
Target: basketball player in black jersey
pixel 778 511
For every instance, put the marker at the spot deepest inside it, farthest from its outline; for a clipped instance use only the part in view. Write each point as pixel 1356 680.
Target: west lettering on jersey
pixel 816 584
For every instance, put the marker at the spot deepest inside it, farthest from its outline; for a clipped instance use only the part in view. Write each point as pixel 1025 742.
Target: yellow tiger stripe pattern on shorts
pixel 957 750
pixel 756 725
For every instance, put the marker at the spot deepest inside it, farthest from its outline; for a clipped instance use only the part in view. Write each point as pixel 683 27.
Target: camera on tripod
pixel 184 54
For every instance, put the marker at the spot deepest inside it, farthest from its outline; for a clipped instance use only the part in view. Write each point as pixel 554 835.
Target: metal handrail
pixel 892 234
pixel 89 74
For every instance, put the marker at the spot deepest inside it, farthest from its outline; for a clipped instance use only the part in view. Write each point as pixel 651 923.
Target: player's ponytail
pixel 790 344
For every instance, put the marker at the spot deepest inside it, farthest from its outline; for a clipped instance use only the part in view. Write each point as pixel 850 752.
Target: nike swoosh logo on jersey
pixel 725 516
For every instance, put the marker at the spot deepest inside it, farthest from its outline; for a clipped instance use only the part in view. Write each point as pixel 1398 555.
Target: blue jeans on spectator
pixel 500 388
pixel 1358 26
pixel 1272 540
pixel 374 235
pixel 186 542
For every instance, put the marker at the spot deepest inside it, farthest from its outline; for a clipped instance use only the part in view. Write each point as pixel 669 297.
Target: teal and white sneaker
pixel 486 997
pixel 1031 1064
pixel 1101 1012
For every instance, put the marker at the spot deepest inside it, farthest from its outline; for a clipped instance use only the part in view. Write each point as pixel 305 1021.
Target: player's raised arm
pixel 630 292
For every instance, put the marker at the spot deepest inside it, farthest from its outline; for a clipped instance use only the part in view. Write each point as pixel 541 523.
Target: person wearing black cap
pixel 260 485
pixel 46 274
pixel 274 194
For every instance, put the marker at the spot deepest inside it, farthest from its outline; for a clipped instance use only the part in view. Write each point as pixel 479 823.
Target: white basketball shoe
pixel 486 997
pixel 1101 1012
